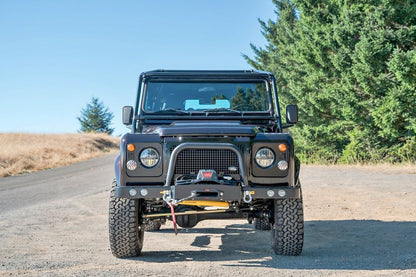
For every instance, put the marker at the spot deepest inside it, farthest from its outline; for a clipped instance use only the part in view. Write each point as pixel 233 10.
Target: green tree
pixel 96 118
pixel 350 65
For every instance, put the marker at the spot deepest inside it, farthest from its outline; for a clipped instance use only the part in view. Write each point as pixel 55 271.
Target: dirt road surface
pixel 358 222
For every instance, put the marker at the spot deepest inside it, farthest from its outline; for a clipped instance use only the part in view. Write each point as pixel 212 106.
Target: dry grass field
pixel 24 153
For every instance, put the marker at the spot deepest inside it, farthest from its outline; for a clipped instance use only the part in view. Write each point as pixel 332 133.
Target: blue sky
pixel 56 55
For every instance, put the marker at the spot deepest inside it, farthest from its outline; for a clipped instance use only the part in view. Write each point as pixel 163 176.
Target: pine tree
pixel 96 118
pixel 350 65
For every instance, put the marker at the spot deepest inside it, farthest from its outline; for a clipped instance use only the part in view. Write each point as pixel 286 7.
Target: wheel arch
pixel 117 169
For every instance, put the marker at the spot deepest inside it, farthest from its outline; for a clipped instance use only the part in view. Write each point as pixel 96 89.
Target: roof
pixel 161 73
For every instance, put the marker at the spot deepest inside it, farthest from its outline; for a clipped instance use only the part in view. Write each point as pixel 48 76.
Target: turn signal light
pixel 131 147
pixel 282 147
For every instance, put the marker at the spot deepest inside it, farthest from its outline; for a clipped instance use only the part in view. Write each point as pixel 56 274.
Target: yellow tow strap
pixel 204 203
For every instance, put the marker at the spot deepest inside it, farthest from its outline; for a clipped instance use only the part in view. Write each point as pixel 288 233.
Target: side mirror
pixel 292 114
pixel 127 115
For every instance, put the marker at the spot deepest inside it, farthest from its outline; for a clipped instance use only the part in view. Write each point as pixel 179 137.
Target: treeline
pixel 351 68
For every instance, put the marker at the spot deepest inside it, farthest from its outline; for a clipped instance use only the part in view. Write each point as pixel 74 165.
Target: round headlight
pixel 149 157
pixel 264 157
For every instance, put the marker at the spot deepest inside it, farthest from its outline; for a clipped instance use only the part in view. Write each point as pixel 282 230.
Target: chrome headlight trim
pixel 149 157
pixel 264 157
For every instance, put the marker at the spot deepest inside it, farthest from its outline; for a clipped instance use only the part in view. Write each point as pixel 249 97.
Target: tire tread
pixel 287 231
pixel 125 232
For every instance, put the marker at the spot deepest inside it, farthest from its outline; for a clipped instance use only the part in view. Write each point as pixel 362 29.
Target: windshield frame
pixel 206 112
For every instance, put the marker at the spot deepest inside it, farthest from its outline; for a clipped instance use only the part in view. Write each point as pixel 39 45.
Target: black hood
pixel 207 129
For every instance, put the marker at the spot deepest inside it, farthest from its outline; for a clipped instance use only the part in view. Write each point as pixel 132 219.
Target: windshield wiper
pixel 219 110
pixel 171 110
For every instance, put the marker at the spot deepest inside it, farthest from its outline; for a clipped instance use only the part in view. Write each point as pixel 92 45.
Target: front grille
pixel 190 161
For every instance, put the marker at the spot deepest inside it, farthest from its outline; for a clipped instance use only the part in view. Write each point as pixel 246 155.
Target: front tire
pixel 287 230
pixel 125 229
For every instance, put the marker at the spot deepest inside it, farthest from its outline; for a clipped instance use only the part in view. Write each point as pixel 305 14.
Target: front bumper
pixel 212 192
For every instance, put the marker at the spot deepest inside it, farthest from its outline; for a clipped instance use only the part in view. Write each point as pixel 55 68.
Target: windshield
pixel 206 96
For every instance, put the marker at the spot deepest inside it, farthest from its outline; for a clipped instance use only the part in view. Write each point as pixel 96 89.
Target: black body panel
pixel 207 129
pixel 246 145
pixel 242 134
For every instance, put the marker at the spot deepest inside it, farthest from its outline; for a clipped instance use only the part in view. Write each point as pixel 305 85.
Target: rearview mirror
pixel 292 114
pixel 127 115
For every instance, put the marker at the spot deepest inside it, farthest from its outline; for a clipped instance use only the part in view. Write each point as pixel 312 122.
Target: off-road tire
pixel 152 225
pixel 125 230
pixel 262 224
pixel 287 230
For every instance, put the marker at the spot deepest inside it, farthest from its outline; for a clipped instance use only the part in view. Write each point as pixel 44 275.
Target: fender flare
pixel 117 169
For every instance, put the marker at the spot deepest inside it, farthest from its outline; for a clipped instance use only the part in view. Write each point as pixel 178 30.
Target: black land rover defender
pixel 206 145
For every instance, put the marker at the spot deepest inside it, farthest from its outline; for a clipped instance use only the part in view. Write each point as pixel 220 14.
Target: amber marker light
pixel 131 147
pixel 282 147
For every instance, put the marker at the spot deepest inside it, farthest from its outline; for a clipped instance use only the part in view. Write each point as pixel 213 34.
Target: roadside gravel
pixel 358 222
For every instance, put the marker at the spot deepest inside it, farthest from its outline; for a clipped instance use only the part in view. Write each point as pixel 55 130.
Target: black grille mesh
pixel 190 161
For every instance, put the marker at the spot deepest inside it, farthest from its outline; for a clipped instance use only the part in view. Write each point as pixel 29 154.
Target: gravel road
pixel 358 222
